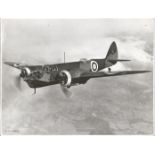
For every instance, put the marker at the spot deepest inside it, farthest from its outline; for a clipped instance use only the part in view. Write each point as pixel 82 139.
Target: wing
pixel 15 65
pixel 21 66
pixel 112 73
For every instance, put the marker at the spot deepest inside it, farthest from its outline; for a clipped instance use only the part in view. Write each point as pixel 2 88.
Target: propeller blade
pixel 18 82
pixel 66 91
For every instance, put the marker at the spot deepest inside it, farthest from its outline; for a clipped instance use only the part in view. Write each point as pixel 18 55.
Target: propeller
pixel 66 91
pixel 24 72
pixel 18 82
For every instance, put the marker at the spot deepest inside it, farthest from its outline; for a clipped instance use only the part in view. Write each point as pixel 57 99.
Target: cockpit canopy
pixel 83 60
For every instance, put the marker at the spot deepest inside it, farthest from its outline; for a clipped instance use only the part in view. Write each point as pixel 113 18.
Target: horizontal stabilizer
pixel 116 60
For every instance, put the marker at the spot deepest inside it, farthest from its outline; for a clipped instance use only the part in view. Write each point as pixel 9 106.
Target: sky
pixel 113 105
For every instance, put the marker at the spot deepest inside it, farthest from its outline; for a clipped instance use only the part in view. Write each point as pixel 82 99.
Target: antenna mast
pixel 64 57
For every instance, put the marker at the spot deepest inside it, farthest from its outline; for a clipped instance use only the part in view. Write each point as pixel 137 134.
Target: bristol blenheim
pixel 71 73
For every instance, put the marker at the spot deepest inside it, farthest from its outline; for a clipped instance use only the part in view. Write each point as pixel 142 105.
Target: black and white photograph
pixel 0 83
pixel 77 76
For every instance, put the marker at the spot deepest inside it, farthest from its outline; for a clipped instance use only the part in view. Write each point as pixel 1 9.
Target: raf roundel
pixel 94 66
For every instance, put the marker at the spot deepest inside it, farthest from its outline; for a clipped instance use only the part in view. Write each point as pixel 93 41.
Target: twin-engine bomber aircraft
pixel 69 74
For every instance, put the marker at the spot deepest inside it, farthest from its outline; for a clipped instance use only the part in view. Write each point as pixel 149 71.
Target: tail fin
pixel 112 52
pixel 112 56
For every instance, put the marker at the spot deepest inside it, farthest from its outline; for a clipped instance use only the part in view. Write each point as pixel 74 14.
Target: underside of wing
pixel 112 73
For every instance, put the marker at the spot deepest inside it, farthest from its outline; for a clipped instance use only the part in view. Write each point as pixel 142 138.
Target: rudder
pixel 112 52
pixel 112 55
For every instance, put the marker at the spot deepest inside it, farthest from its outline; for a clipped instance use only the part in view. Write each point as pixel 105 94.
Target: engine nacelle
pixel 66 78
pixel 25 72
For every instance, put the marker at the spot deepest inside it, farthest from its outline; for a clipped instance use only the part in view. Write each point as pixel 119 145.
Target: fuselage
pixel 47 74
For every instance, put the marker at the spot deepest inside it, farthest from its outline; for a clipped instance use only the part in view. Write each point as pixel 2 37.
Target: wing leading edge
pixel 15 65
pixel 112 73
pixel 22 65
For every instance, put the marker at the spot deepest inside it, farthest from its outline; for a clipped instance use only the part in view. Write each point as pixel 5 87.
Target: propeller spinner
pixel 65 82
pixel 24 73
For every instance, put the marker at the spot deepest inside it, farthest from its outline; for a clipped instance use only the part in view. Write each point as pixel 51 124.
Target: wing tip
pixel 147 71
pixel 12 64
pixel 7 63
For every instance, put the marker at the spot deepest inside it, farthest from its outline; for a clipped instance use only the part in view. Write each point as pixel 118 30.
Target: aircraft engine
pixel 25 72
pixel 65 78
